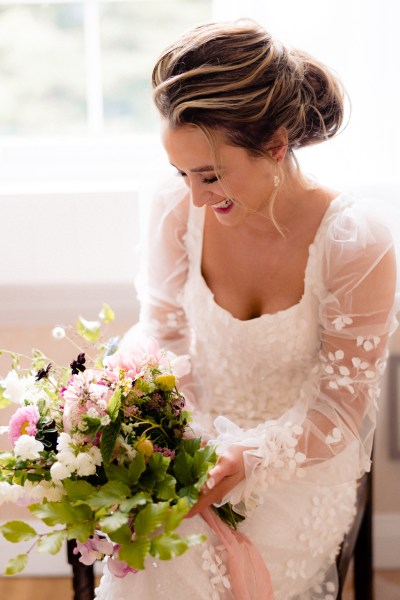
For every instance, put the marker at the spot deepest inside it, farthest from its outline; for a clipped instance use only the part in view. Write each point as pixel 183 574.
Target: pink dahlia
pixel 23 422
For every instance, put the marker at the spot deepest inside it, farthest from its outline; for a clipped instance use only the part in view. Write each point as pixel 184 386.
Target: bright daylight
pixel 200 267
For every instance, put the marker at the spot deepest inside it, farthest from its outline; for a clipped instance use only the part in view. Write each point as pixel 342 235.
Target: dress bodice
pixel 251 370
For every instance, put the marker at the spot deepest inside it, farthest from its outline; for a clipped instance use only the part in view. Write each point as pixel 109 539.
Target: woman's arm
pixel 327 436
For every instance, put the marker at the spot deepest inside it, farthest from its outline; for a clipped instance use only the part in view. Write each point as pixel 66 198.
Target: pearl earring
pixel 277 180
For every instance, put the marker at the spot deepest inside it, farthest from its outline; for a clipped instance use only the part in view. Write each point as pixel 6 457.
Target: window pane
pixel 132 36
pixel 42 69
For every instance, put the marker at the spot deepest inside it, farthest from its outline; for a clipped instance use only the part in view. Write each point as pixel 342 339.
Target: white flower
pixel 341 322
pixel 16 387
pixel 92 412
pixel 3 429
pixel 85 465
pixel 58 471
pixel 58 333
pixel 10 493
pixel 130 452
pixel 106 420
pixel 36 492
pixel 96 455
pixel 28 448
pixel 68 459
pixel 64 442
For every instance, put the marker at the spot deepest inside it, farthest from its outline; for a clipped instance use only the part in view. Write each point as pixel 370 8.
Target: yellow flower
pixel 145 446
pixel 166 382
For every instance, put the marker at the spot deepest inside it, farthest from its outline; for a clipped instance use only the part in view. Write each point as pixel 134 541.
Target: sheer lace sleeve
pixel 327 436
pixel 162 276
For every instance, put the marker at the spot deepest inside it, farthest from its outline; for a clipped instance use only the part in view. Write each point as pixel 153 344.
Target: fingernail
pixel 210 483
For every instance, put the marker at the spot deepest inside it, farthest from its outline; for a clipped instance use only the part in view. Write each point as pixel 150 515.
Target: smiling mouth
pixel 224 204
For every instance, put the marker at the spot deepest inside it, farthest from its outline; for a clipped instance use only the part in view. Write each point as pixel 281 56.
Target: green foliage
pixel 113 522
pixel 52 542
pixel 109 494
pixel 3 400
pixel 78 490
pixel 136 468
pixel 114 404
pixel 89 330
pixel 16 565
pixel 151 517
pixel 135 552
pixel 108 439
pixel 168 545
pixel 17 531
pixel 107 315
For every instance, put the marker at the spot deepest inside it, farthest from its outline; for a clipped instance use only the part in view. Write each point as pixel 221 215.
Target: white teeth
pixel 224 204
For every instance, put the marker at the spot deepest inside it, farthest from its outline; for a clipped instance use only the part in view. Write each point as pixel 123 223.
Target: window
pixel 70 67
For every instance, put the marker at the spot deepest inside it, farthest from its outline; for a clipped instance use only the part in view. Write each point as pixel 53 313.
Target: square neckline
pixel 201 212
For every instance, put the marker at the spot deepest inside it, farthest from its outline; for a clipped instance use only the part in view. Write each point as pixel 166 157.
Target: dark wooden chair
pixel 357 545
pixel 83 575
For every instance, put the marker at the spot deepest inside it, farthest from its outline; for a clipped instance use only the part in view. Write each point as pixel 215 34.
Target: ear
pixel 278 146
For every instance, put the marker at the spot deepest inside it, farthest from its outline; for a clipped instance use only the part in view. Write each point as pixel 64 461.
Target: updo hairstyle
pixel 235 78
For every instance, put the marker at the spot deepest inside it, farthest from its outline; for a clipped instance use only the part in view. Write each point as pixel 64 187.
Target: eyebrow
pixel 203 169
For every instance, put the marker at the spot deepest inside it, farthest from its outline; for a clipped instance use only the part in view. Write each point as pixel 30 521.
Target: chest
pixel 250 277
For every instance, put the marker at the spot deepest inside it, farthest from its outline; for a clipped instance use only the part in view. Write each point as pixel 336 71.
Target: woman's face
pixel 239 185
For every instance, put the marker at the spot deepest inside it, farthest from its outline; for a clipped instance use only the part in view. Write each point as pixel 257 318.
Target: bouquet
pixel 102 453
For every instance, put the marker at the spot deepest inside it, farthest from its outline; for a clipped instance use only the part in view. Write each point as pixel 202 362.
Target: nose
pixel 199 195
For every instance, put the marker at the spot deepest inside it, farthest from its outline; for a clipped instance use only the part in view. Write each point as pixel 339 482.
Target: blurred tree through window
pixel 75 68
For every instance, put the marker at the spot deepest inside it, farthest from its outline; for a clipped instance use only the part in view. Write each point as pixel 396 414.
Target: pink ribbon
pixel 250 578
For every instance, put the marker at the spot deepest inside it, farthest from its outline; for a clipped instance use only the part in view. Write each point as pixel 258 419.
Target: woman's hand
pixel 227 473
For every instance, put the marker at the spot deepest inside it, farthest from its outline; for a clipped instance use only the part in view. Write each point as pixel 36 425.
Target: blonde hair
pixel 236 78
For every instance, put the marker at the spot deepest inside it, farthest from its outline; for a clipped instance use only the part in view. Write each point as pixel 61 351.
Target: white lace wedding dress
pixel 300 386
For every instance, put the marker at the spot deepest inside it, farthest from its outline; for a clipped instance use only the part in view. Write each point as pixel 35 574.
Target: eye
pixel 209 180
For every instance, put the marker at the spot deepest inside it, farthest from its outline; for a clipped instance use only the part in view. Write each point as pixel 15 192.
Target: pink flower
pixel 94 549
pixel 131 359
pixel 119 568
pixel 23 422
pixel 83 392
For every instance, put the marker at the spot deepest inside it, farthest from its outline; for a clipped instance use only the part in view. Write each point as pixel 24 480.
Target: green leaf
pixel 158 464
pixel 192 445
pixel 89 330
pixel 3 400
pixel 80 531
pixel 117 473
pixel 53 513
pixel 123 535
pixel 151 517
pixel 191 493
pixel 51 542
pixel 166 488
pixel 176 514
pixel 78 490
pixel 184 468
pixel 136 468
pixel 82 512
pixel 109 494
pixel 107 315
pixel 135 553
pixel 113 522
pixel 114 404
pixel 136 500
pixel 17 531
pixel 16 565
pixel 108 439
pixel 168 545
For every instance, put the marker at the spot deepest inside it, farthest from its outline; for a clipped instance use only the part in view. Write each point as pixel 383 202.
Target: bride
pixel 282 292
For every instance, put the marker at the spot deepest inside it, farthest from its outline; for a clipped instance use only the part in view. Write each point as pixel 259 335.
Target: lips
pixel 223 204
